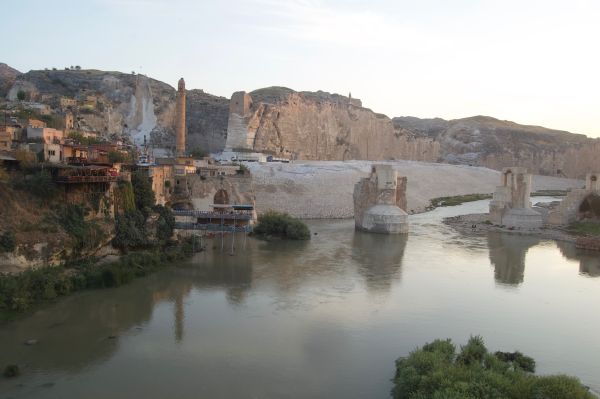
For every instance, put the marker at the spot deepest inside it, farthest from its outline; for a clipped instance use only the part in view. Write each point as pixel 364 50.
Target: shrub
pixel 281 225
pixel 12 370
pixel 7 242
pixel 436 371
pixel 142 191
pixel 165 223
pixel 87 234
pixel 130 231
pixel 39 184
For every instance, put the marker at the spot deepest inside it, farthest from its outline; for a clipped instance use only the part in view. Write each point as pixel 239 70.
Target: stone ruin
pixel 510 205
pixel 379 202
pixel 578 205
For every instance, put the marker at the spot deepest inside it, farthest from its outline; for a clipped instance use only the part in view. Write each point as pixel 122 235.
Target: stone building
pixel 379 202
pixel 45 134
pixel 510 205
pixel 581 204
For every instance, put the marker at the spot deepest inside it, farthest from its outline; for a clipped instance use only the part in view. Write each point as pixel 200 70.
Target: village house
pixel 35 123
pixel 48 152
pixel 66 102
pixel 5 140
pixel 46 134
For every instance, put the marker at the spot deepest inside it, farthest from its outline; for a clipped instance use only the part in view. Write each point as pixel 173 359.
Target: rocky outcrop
pixel 8 76
pixel 497 144
pixel 206 119
pixel 319 126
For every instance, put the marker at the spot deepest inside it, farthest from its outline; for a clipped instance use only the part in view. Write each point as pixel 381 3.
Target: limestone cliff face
pixel 206 119
pixel 496 144
pixel 319 126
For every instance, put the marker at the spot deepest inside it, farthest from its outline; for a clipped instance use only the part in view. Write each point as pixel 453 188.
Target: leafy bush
pixel 7 242
pixel 165 223
pixel 281 225
pixel 117 157
pixel 19 292
pixel 437 371
pixel 130 231
pixel 142 191
pixel 87 234
pixel 198 153
pixel 40 184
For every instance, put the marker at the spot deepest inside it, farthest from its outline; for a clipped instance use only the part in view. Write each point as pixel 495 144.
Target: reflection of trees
pixel 507 254
pixel 379 257
pixel 589 261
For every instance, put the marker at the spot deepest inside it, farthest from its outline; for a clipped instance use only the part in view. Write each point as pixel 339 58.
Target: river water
pixel 319 319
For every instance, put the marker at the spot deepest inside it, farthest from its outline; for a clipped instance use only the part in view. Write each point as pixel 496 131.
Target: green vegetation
pixel 117 157
pixel 12 370
pixel 143 193
pixel 436 371
pixel 165 223
pixel 87 234
pixel 40 184
pixel 282 225
pixel 130 231
pixel 7 242
pixel 549 193
pixel 21 95
pixel 20 292
pixel 198 153
pixel 456 200
pixel 81 139
pixel 585 228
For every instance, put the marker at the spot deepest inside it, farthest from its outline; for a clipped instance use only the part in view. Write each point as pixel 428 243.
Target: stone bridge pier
pixel 511 205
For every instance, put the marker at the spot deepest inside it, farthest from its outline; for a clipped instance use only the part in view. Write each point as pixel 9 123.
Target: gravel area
pixel 323 189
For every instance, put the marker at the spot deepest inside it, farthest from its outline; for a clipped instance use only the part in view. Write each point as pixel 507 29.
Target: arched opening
pixel 589 209
pixel 221 197
pixel 507 177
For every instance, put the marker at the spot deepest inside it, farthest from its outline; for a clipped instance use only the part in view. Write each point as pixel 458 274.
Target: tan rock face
pixel 318 126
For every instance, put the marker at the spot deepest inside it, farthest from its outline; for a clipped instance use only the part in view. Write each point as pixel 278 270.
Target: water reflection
pixel 589 261
pixel 379 258
pixel 507 254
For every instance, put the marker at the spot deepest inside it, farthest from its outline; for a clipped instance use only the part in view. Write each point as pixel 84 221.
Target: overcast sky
pixel 533 62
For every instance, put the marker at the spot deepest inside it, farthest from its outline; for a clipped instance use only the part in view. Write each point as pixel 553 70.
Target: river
pixel 319 319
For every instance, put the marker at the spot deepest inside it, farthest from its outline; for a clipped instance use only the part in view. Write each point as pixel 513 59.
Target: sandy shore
pixel 323 189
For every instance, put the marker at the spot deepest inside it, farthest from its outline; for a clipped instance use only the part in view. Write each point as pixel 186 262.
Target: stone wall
pixel 240 189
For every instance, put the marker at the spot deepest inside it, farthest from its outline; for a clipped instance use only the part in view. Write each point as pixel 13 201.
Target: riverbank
pixel 479 223
pixel 323 189
pixel 22 292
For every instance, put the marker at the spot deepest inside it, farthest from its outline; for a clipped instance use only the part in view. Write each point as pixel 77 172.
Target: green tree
pixel 198 153
pixel 21 95
pixel 165 223
pixel 142 191
pixel 281 225
pixel 7 242
pixel 437 371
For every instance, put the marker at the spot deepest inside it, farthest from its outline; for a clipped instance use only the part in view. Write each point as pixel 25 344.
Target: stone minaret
pixel 180 119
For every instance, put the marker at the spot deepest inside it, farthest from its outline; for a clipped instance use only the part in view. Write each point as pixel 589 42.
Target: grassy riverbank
pixel 456 200
pixel 20 293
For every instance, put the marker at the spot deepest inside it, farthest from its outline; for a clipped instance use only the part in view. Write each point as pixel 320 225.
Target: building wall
pixel 49 135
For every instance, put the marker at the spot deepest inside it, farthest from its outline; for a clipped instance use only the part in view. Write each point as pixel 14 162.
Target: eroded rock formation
pixel 318 126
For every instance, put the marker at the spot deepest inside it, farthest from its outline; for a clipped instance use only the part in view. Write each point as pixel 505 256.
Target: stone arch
pixel 221 197
pixel 506 177
pixel 589 208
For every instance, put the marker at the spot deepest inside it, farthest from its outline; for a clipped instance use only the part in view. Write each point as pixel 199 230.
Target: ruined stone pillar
pixel 511 205
pixel 180 119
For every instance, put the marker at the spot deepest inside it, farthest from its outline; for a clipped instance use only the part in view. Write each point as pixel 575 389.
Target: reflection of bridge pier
pixel 507 255
pixel 589 261
pixel 379 257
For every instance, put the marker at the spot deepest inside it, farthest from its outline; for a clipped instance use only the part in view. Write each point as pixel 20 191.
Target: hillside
pixel 486 141
pixel 8 76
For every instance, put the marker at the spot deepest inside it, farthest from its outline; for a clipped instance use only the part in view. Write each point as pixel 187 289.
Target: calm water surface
pixel 322 319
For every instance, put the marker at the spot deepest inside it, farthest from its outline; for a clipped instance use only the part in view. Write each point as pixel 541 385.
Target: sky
pixel 529 61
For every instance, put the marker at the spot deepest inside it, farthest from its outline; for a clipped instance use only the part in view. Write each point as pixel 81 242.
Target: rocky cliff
pixel 319 126
pixel 130 105
pixel 8 76
pixel 485 141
